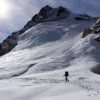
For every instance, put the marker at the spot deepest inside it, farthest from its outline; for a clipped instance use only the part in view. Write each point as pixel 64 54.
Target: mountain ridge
pixel 45 14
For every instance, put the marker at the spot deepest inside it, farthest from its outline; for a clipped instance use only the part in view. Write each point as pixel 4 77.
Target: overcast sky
pixel 14 14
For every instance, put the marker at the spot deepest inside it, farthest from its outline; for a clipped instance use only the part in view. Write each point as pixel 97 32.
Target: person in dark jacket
pixel 66 76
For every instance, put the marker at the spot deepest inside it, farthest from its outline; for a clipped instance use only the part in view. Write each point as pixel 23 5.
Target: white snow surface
pixel 34 69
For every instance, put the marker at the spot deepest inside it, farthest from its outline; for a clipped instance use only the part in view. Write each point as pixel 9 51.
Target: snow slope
pixel 34 69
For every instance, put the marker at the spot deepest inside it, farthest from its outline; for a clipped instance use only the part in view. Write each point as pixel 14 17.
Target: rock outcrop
pixel 97 39
pixel 85 17
pixel 79 18
pixel 96 27
pixel 96 70
pixel 86 32
pixel 8 44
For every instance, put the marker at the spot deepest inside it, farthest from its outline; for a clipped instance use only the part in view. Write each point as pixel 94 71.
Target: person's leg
pixel 66 79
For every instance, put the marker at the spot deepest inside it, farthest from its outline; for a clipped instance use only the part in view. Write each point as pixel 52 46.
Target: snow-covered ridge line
pixel 45 14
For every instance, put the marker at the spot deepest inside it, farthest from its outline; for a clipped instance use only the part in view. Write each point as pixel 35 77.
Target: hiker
pixel 66 75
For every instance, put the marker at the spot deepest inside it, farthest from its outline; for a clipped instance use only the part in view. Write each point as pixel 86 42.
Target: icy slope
pixel 34 69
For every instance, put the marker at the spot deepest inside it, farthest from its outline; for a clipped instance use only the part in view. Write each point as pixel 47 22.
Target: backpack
pixel 66 73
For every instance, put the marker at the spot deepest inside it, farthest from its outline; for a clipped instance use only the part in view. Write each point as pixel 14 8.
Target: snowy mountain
pixel 46 14
pixel 54 41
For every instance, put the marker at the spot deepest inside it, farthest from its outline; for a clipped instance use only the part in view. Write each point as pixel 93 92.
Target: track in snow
pixel 90 85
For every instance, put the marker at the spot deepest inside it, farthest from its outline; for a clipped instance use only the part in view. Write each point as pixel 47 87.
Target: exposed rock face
pixel 45 11
pixel 86 32
pixel 96 70
pixel 85 17
pixel 97 39
pixel 96 27
pixel 4 48
pixel 60 11
pixel 8 44
pixel 79 18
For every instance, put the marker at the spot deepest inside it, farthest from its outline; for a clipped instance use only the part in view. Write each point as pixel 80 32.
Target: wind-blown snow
pixel 34 69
